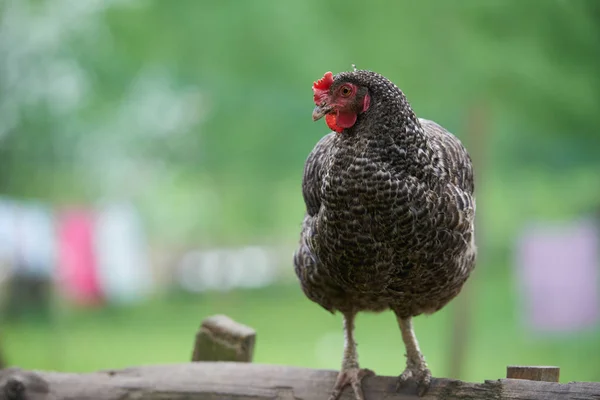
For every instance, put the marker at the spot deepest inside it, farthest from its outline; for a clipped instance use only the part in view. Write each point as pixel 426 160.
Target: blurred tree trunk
pixel 475 138
pixel 2 359
pixel 5 170
pixel 6 161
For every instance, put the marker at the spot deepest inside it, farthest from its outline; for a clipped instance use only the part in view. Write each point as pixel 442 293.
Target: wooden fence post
pixel 543 374
pixel 222 339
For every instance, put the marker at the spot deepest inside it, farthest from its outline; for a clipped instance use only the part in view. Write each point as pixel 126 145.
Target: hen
pixel 389 218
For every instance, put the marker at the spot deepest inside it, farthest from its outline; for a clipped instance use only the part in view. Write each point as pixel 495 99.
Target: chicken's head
pixel 339 101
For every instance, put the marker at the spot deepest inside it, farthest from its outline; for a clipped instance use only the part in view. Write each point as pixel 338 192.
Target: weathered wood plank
pixel 245 381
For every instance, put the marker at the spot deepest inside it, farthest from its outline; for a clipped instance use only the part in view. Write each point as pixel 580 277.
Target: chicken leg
pixel 416 367
pixel 351 374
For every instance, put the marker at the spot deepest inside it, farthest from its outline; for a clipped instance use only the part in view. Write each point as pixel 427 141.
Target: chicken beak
pixel 320 111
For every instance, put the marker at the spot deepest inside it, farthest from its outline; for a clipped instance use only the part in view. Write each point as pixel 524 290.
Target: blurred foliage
pixel 200 111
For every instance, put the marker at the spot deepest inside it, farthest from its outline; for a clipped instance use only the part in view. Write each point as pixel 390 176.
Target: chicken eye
pixel 346 91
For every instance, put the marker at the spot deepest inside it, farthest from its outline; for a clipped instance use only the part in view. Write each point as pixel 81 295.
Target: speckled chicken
pixel 389 218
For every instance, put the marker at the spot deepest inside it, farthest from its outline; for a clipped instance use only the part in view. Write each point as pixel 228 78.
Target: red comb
pixel 321 87
pixel 325 82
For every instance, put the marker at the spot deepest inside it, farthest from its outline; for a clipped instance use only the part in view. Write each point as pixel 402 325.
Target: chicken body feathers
pixel 390 212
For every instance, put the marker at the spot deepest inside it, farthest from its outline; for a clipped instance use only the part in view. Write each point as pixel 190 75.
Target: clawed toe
pixel 352 377
pixel 422 377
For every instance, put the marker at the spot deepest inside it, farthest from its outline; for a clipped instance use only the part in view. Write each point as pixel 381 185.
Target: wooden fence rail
pixel 237 381
pixel 242 380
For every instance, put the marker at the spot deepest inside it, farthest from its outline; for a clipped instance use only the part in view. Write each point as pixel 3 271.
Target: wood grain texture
pixel 241 381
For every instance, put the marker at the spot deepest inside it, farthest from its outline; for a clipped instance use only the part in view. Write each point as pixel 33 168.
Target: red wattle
pixel 345 120
pixel 330 119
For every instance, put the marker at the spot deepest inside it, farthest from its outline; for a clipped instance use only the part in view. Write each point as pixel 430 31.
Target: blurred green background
pixel 198 113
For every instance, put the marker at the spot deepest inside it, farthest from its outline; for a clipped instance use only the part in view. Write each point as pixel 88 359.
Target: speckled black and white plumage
pixel 390 211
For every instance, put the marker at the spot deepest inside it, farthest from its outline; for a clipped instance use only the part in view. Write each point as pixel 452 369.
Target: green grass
pixel 294 331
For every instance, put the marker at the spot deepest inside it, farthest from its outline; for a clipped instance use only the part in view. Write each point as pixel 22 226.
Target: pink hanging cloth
pixel 77 270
